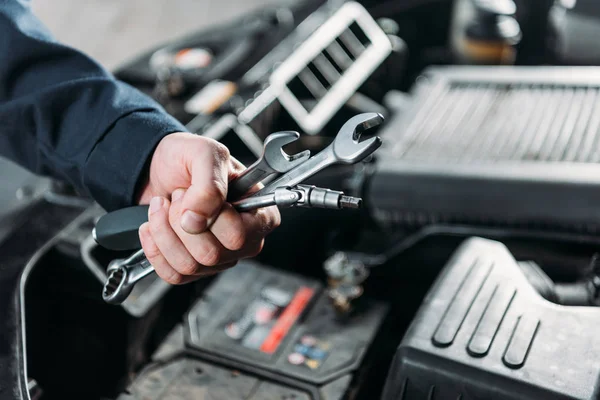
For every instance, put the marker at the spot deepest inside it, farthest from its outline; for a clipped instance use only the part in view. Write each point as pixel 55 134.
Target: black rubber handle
pixel 118 230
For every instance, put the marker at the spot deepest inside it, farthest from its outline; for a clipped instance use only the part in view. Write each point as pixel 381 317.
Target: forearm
pixel 63 115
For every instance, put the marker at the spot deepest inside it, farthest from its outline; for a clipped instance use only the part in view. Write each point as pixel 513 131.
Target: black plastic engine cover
pixel 483 332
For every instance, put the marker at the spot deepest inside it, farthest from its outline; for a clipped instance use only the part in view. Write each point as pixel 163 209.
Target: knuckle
pixel 268 222
pixel 221 151
pixel 151 251
pixel 274 219
pixel 174 278
pixel 216 190
pixel 210 256
pixel 236 239
pixel 188 266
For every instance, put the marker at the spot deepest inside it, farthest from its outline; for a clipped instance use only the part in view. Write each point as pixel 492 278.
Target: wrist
pixel 144 193
pixel 117 170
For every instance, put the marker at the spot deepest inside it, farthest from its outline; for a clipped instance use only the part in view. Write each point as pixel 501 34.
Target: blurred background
pixel 123 29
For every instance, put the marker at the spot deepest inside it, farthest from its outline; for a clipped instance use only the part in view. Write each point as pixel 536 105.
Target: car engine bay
pixel 471 270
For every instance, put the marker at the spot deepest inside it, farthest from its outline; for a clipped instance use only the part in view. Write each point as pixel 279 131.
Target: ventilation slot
pixel 468 122
pixel 323 73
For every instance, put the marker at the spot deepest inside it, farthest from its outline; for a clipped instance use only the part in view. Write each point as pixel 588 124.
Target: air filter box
pixel 494 146
pixel 483 332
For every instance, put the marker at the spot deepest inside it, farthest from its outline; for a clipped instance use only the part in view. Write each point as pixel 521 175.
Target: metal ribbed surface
pixel 471 121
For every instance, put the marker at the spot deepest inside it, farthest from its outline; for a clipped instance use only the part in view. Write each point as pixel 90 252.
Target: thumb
pixel 202 202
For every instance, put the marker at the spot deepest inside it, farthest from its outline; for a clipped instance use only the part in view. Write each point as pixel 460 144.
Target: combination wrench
pixel 272 160
pixel 347 148
pixel 123 274
pixel 118 230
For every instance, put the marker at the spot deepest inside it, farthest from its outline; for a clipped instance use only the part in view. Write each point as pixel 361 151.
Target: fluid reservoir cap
pixel 496 7
pixel 509 29
pixel 501 29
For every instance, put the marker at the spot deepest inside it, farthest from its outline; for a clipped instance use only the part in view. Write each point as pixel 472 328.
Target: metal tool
pixel 118 230
pixel 125 273
pixel 282 192
pixel 300 196
pixel 346 148
pixel 273 160
pixel 281 197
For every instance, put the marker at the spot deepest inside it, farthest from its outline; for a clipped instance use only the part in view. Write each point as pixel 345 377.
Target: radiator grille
pixel 491 122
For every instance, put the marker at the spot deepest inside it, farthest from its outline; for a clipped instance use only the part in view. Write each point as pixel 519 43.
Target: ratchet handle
pixel 118 230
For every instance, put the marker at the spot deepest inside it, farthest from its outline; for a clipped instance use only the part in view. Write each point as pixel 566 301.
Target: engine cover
pixel 483 332
pixel 496 146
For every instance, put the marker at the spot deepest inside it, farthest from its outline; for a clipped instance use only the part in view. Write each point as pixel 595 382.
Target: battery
pixel 257 329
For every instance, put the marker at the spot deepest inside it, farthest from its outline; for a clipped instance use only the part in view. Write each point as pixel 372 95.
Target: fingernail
pixel 155 204
pixel 192 222
pixel 177 195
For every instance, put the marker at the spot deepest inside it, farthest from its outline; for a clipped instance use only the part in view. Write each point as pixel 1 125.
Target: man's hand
pixel 191 231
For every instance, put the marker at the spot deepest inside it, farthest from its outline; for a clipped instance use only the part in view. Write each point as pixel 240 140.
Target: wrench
pixel 346 148
pixel 123 274
pixel 118 230
pixel 273 160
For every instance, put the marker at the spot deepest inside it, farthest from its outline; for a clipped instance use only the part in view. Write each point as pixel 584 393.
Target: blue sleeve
pixel 62 115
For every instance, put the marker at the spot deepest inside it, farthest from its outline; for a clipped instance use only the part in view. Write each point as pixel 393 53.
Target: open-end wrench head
pixel 276 157
pixel 348 146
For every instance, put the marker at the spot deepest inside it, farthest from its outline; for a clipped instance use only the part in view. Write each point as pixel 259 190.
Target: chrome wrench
pixel 125 273
pixel 346 148
pixel 273 160
pixel 118 230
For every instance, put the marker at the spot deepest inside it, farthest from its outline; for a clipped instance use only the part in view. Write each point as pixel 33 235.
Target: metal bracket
pixel 342 60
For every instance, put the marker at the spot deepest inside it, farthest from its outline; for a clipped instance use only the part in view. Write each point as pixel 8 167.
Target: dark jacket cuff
pixel 117 166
